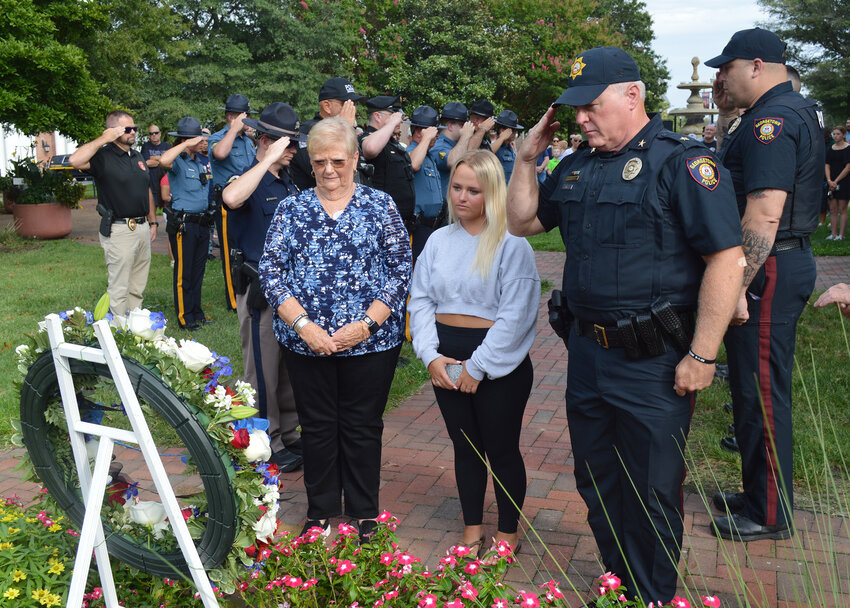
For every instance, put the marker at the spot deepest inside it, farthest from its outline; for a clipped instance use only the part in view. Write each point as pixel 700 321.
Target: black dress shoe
pixel 741 528
pixel 286 461
pixel 730 430
pixel 366 529
pixel 207 322
pixel 721 371
pixel 734 502
pixel 295 447
pixel 191 327
pixel 728 406
pixel 729 443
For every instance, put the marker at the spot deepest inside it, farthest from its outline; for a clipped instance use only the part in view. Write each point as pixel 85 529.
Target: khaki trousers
pixel 128 261
pixel 263 358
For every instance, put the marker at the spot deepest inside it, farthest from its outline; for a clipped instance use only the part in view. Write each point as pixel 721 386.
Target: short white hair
pixel 622 87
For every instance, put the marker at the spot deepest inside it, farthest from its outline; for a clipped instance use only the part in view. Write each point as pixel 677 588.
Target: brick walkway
pixel 419 487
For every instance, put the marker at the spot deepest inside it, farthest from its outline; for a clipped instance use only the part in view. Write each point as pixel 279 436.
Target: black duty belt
pixel 204 219
pixel 130 221
pixel 614 336
pixel 796 242
pixel 431 222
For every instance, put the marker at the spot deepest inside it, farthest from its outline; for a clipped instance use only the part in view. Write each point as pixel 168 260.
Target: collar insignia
pixel 632 168
pixel 734 125
pixel 641 143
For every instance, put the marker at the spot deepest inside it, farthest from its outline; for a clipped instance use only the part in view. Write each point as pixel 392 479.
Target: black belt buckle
pixel 600 335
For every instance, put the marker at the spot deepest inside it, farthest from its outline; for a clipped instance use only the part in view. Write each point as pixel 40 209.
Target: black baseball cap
pixel 278 119
pixel 238 103
pixel 592 72
pixel 482 107
pixel 751 44
pixel 339 88
pixel 384 102
pixel 454 110
pixel 423 116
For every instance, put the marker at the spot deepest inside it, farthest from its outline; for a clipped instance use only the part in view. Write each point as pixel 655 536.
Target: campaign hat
pixel 238 103
pixel 482 107
pixel 424 116
pixel 593 70
pixel 339 88
pixel 454 110
pixel 188 127
pixel 278 120
pixel 751 44
pixel 508 118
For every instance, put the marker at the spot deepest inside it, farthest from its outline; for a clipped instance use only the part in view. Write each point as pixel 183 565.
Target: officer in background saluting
pixel 430 212
pixel 775 154
pixel 652 236
pixel 393 171
pixel 189 221
pixel 231 152
pixel 257 193
pixel 507 126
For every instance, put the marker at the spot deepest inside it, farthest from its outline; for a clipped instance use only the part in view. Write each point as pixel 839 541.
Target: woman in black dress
pixel 838 181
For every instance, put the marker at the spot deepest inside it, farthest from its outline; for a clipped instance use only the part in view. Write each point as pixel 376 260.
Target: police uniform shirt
pixel 507 156
pixel 767 147
pixel 122 181
pixel 635 222
pixel 242 152
pixel 187 192
pixel 249 227
pixel 429 191
pixel 394 174
pixel 440 153
pixel 300 168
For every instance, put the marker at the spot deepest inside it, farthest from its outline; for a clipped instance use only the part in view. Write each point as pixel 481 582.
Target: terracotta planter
pixel 43 220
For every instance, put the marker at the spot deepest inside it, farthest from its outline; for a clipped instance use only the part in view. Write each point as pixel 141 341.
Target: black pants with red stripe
pixel 628 429
pixel 761 363
pixel 190 261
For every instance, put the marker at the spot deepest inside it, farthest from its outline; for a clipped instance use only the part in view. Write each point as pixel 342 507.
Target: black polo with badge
pixel 122 181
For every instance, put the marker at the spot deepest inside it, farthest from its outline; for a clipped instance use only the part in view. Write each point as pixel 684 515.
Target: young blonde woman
pixel 473 307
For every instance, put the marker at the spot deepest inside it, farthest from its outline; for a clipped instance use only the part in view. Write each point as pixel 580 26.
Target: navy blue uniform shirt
pixel 636 222
pixel 772 147
pixel 250 222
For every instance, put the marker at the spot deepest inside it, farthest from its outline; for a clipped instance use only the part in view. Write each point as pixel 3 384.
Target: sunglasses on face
pixel 131 129
pixel 154 133
pixel 336 163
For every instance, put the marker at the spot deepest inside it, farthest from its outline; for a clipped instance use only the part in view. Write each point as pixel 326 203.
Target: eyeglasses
pixel 131 129
pixel 336 163
pixel 153 133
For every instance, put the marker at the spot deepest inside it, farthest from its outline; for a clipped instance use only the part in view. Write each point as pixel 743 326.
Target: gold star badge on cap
pixel 578 66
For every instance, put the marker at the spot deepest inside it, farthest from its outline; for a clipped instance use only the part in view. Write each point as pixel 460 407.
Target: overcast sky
pixel 688 28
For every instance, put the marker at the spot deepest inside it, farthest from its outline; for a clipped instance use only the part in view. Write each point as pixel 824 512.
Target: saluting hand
pixel 430 134
pixel 467 130
pixel 349 112
pixel 538 137
pixel 277 150
pixel 721 99
pixel 487 124
pixel 194 141
pixel 110 134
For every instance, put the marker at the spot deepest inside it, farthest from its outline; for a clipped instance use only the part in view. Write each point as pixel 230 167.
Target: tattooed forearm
pixel 761 193
pixel 757 248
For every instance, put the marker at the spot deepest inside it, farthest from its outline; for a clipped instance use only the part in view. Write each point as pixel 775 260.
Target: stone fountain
pixel 695 111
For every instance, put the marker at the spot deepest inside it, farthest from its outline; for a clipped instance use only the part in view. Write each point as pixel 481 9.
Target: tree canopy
pixel 818 32
pixel 65 63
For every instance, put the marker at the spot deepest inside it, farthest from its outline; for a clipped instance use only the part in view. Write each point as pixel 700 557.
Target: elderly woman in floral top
pixel 337 268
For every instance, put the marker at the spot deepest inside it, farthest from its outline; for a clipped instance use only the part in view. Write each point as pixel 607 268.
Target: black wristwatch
pixel 373 327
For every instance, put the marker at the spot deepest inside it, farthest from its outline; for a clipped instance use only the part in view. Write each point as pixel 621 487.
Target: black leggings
pixel 492 420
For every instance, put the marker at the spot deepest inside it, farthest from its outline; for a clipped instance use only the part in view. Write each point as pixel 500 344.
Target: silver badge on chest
pixel 632 168
pixel 734 125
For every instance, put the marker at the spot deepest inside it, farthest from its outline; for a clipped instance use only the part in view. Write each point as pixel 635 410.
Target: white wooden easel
pixel 93 483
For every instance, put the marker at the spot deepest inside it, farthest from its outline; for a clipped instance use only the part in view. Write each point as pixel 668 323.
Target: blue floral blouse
pixel 337 268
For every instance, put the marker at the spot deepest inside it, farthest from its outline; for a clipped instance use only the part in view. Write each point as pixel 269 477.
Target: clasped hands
pixel 345 337
pixel 439 377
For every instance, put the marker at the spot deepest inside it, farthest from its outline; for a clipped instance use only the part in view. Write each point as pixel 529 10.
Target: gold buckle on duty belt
pixel 599 334
pixel 131 223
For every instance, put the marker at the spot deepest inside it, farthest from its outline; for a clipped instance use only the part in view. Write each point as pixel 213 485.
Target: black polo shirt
pixel 122 181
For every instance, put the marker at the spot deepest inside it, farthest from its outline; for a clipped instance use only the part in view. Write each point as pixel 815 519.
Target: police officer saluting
pixel 393 171
pixel 507 126
pixel 481 115
pixel 653 241
pixel 231 152
pixel 257 194
pixel 189 220
pixel 453 142
pixel 426 178
pixel 775 154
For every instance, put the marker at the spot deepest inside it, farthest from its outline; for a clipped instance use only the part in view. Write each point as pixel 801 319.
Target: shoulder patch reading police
pixel 704 171
pixel 767 129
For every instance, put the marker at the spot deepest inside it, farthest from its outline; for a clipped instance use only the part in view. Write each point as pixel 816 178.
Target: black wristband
pixel 154 223
pixel 700 359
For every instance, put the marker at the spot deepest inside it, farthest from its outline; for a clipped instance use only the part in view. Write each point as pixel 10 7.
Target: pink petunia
pixel 461 550
pixel 304 4
pixel 473 567
pixel 712 601
pixel 345 566
pixel 608 582
pixel 428 601
pixel 292 581
pixel 457 603
pixel 345 529
pixel 528 600
pixel 384 516
pixel 680 602
pixel 499 603
pixel 468 591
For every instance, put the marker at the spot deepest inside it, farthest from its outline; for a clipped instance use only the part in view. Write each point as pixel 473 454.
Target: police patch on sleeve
pixel 704 171
pixel 767 129
pixel 142 166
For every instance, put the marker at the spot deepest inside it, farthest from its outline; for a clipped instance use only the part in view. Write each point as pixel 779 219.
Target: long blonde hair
pixel 491 179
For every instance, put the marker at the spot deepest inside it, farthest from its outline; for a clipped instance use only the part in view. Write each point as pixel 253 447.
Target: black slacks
pixel 340 402
pixel 190 262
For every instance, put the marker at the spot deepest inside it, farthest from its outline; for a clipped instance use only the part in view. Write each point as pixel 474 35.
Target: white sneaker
pixel 838 238
pixel 830 238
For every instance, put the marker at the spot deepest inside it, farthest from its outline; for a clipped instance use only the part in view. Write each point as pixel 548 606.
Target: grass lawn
pixel 39 278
